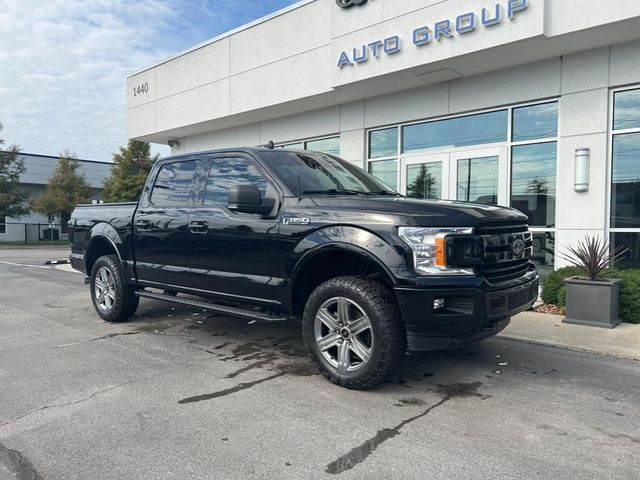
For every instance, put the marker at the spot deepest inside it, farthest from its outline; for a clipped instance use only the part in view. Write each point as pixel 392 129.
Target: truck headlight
pixel 429 249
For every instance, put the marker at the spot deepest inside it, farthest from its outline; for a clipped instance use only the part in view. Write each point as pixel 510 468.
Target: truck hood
pixel 420 212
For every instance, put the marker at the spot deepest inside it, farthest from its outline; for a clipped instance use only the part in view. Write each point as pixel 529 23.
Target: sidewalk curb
pixel 622 356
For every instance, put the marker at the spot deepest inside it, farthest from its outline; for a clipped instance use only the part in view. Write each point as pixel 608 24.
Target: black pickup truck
pixel 275 235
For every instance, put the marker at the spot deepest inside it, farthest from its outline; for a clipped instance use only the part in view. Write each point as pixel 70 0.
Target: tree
pixel 537 185
pixel 131 166
pixel 12 200
pixel 66 189
pixel 424 186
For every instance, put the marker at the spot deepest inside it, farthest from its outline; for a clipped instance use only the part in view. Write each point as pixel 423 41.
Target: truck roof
pixel 256 151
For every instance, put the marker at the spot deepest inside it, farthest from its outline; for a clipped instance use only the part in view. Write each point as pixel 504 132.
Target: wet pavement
pixel 181 393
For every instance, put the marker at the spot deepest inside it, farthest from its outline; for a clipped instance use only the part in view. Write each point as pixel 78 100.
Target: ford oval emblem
pixel 350 3
pixel 517 247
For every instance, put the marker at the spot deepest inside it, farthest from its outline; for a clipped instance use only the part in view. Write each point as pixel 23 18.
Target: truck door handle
pixel 143 225
pixel 199 227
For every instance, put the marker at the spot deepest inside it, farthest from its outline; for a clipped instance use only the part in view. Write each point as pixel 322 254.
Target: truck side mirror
pixel 248 199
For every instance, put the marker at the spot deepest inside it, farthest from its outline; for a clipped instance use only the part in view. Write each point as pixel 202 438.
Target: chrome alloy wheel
pixel 343 334
pixel 105 289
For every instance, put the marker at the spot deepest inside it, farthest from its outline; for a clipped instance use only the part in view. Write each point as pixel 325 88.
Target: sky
pixel 64 63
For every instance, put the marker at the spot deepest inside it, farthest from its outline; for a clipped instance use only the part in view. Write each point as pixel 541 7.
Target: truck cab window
pixel 228 172
pixel 173 184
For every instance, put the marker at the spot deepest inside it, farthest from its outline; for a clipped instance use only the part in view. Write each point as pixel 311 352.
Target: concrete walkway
pixel 622 341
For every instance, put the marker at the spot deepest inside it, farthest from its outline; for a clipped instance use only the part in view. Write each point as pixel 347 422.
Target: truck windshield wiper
pixel 335 191
pixel 388 192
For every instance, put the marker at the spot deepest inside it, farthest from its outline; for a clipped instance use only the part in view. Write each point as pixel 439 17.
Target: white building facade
pixel 528 103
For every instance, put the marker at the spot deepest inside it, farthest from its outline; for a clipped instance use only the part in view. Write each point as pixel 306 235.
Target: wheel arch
pixel 102 240
pixel 335 252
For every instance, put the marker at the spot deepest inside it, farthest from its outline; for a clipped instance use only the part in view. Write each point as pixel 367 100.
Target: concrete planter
pixel 593 303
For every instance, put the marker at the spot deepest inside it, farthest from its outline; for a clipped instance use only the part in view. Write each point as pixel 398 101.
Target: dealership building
pixel 528 103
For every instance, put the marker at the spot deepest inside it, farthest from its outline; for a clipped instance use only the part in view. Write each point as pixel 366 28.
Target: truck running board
pixel 233 311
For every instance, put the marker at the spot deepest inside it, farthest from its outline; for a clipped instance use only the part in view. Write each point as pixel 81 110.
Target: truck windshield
pixel 317 173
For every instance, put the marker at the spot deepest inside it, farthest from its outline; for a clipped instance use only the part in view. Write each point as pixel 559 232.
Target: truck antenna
pixel 299 189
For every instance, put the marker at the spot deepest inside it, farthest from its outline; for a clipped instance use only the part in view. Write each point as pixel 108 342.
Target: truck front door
pixel 234 255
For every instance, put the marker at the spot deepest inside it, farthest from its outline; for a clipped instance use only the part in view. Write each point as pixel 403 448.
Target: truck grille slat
pixel 499 303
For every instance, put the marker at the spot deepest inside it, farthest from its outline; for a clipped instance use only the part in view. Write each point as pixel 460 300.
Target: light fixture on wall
pixel 173 143
pixel 583 159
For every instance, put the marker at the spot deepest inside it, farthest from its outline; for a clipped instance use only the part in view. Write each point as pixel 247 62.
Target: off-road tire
pixel 126 301
pixel 390 340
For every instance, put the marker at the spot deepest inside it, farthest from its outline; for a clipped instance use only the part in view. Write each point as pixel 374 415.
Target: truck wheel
pixel 113 298
pixel 353 331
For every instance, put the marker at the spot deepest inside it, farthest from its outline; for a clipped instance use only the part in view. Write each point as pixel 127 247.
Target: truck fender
pixel 339 237
pixel 104 231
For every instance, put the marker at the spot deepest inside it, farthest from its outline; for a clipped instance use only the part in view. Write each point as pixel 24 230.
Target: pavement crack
pixel 229 391
pixel 62 405
pixel 360 453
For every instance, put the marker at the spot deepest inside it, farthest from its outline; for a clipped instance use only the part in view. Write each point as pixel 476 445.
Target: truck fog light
pixel 438 304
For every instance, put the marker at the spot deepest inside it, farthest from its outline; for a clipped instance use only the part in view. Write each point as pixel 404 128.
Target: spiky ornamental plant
pixel 593 256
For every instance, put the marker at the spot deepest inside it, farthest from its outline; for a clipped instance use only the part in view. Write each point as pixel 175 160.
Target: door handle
pixel 143 225
pixel 199 227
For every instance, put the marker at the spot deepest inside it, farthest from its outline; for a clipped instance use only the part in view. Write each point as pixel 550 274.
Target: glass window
pixel 3 228
pixel 535 121
pixel 383 143
pixel 533 182
pixel 228 172
pixel 386 171
pixel 173 184
pixel 478 180
pixel 544 246
pixel 326 145
pixel 626 110
pixel 457 132
pixel 425 180
pixel 625 188
pixel 631 240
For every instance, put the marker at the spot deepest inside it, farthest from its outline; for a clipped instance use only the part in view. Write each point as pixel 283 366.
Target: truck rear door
pixel 161 225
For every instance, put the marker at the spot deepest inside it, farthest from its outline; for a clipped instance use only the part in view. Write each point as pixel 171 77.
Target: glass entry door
pixel 471 175
pixel 480 176
pixel 425 176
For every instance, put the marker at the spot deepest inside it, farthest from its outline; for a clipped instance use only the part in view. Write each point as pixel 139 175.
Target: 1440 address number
pixel 141 89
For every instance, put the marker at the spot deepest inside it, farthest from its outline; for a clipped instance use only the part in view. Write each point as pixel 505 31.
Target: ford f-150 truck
pixel 273 235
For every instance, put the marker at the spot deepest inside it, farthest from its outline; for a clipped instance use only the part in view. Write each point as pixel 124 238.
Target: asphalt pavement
pixel 181 393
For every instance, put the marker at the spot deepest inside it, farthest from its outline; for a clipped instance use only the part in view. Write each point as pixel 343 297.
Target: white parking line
pixel 24 265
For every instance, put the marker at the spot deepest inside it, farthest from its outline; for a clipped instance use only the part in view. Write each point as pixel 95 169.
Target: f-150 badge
pixel 295 221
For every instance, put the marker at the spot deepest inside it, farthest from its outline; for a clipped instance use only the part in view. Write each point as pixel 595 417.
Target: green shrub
pixel 553 286
pixel 555 292
pixel 629 293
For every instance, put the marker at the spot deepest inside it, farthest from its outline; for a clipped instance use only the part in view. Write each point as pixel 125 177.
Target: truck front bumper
pixel 452 317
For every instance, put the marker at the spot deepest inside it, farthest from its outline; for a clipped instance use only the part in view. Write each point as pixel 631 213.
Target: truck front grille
pixel 500 264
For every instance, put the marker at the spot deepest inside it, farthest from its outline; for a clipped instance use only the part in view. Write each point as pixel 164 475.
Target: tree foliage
pixel 66 189
pixel 424 186
pixel 12 199
pixel 131 166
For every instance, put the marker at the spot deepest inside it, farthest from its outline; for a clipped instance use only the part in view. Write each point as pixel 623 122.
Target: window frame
pixel 509 143
pixel 612 133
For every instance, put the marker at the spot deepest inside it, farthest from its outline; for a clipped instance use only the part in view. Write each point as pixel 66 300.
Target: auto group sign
pixel 432 32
